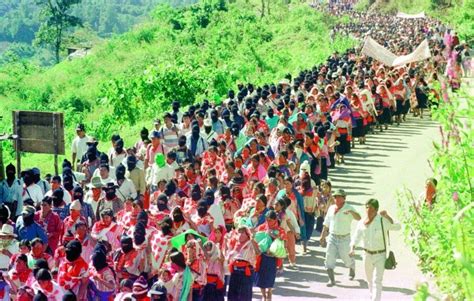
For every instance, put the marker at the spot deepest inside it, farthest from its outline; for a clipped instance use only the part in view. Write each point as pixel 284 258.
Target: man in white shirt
pixel 207 132
pixel 370 236
pixel 337 225
pixel 30 189
pixel 56 184
pixel 126 188
pixel 79 146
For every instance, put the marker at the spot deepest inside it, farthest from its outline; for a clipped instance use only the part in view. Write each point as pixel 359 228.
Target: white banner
pixel 375 50
pixel 411 16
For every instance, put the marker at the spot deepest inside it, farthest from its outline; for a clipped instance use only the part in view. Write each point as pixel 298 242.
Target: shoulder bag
pixel 390 262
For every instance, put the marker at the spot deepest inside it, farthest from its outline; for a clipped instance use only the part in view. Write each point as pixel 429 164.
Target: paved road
pixel 387 162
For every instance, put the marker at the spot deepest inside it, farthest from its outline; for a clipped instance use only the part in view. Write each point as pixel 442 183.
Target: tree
pixel 57 21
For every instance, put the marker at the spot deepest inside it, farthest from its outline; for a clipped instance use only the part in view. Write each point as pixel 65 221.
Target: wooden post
pixel 56 147
pixel 16 118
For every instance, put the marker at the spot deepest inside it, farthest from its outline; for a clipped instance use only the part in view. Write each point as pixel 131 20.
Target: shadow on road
pixel 357 177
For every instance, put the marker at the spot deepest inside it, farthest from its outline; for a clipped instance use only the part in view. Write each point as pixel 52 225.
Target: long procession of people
pixel 214 199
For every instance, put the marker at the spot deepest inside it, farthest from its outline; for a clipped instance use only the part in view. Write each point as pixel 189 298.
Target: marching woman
pixel 102 278
pixel 342 120
pixel 307 189
pixel 214 288
pixel 385 116
pixel 242 259
pixel 398 91
pixel 359 114
pixel 369 107
pixel 267 263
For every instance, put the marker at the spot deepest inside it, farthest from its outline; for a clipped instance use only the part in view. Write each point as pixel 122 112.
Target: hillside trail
pixel 389 161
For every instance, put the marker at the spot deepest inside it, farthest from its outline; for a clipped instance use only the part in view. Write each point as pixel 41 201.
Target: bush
pixel 443 237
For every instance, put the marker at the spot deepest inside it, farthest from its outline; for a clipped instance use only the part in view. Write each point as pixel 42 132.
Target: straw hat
pixel 7 230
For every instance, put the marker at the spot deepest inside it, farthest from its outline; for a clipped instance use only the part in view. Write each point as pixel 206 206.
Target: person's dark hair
pixel 25 243
pixel 35 241
pixel 23 258
pixel 263 198
pixel 48 200
pixel 373 203
pixel 178 259
pixel 271 214
pixel 434 181
pixel 286 200
pixel 79 224
pixel 40 296
pixel 56 179
pixel 282 202
pixel 289 179
pixel 29 202
pixel 69 296
pixel 43 274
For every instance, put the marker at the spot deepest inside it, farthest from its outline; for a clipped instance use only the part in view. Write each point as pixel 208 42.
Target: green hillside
pixel 20 21
pixel 186 54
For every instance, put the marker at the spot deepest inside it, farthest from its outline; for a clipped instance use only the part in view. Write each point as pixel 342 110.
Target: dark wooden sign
pixel 39 132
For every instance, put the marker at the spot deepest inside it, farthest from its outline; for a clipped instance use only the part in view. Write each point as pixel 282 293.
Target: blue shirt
pixel 218 127
pixel 62 212
pixel 31 232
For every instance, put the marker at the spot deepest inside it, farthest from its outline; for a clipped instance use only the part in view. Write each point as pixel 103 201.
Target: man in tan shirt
pixel 136 175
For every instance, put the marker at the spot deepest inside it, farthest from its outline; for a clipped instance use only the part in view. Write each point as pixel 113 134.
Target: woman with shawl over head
pixel 307 189
pixel 369 107
pixel 214 289
pixel 384 104
pixel 196 261
pixel 398 91
pixel 242 259
pixel 342 120
pixel 182 280
pixel 289 224
pixel 359 115
pixel 267 263
pixel 421 92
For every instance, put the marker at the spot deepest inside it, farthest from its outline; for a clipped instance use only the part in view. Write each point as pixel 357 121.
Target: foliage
pixel 21 20
pixel 57 21
pixel 186 54
pixel 443 236
pixel 362 5
pixel 462 19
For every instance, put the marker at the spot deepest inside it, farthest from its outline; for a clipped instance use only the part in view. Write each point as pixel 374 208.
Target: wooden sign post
pixel 39 132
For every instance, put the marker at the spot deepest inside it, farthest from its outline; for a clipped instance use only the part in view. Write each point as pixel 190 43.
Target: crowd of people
pixel 212 200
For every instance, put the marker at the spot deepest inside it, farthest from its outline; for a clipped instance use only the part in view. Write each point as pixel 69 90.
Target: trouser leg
pixel 344 249
pixel 331 253
pixel 378 262
pixel 290 246
pixel 369 272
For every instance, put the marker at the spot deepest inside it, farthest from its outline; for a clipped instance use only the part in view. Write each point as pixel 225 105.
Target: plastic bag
pixel 264 241
pixel 278 249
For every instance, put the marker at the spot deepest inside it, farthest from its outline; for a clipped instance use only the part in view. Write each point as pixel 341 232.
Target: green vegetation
pixel 186 54
pixel 21 20
pixel 443 237
pixel 57 21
